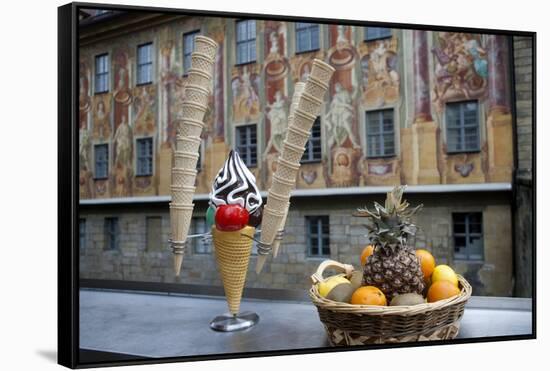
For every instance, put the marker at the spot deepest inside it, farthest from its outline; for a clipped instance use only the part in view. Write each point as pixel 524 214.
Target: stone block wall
pixel 292 269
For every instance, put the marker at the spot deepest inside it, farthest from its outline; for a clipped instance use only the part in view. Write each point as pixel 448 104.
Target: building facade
pixel 432 110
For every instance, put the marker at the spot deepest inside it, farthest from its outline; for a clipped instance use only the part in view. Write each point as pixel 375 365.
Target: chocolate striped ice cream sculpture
pixel 188 131
pixel 308 102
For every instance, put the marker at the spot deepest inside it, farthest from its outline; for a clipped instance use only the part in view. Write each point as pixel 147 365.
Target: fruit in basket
pixel 442 290
pixel 427 262
pixel 368 295
pixel 444 273
pixel 393 266
pixel 326 286
pixel 356 279
pixel 407 299
pixel 341 292
pixel 367 251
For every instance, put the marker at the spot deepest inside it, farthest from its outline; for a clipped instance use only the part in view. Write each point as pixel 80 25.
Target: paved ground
pixel 160 325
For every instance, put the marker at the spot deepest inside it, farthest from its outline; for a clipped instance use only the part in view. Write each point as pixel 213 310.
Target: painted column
pixel 499 120
pixel 498 81
pixel 424 130
pixel 219 106
pixel 421 77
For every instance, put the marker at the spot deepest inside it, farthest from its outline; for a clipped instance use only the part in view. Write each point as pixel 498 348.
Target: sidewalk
pixel 160 325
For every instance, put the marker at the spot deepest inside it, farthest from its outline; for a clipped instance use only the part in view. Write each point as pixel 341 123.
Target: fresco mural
pixel 144 110
pixel 460 67
pixel 245 86
pixel 276 70
pixel 379 72
pixel 102 117
pixel 455 66
pixel 340 120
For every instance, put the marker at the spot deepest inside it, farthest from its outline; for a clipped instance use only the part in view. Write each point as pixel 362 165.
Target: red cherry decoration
pixel 231 217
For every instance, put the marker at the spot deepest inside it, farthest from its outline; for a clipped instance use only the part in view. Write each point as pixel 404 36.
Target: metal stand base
pixel 228 322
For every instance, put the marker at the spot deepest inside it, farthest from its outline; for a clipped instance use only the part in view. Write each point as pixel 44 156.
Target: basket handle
pixel 318 275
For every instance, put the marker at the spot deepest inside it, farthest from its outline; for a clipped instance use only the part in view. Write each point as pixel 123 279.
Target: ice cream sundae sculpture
pixel 236 208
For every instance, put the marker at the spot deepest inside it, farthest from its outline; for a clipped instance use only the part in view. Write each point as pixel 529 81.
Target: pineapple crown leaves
pixel 390 224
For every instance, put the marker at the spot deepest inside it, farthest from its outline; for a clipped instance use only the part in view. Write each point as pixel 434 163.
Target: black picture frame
pixel 69 354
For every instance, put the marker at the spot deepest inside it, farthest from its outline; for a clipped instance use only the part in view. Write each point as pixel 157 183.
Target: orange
pixel 444 273
pixel 367 251
pixel 368 295
pixel 442 290
pixel 427 262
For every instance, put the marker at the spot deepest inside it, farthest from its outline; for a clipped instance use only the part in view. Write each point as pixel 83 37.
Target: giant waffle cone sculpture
pixel 189 128
pixel 232 251
pixel 307 107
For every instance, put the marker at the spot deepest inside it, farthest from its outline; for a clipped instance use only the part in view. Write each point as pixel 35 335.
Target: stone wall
pixel 523 257
pixel 293 267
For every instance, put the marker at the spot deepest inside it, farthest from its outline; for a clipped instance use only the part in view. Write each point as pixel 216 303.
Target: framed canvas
pixel 240 185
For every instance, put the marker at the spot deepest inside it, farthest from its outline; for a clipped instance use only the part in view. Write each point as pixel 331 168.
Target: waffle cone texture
pixel 232 250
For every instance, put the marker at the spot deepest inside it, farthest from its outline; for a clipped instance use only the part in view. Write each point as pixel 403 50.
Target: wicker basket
pixel 348 324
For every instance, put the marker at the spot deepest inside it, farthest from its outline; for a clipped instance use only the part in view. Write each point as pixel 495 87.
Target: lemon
pixel 327 285
pixel 444 273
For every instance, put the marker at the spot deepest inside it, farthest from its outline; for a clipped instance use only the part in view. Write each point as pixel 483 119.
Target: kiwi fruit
pixel 407 299
pixel 341 292
pixel 356 279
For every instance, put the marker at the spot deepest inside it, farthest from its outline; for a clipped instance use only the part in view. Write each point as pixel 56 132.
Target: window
pixel 312 151
pixel 188 46
pixel 317 233
pixel 307 37
pixel 246 144
pixel 153 233
pixel 380 135
pixel 101 160
pixel 144 160
pixel 375 33
pixel 198 226
pixel 246 41
pixel 111 233
pixel 468 236
pixel 462 124
pixel 82 233
pixel 145 64
pixel 102 73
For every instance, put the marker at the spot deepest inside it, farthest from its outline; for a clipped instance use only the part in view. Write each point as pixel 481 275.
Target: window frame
pixel 140 65
pixel 183 50
pixel 320 235
pixel 381 134
pixel 308 29
pixel 148 237
pixel 247 41
pixel 205 249
pixel 142 157
pixel 111 233
pixel 101 74
pixel 310 146
pixel 468 250
pixel 82 233
pixel 462 127
pixel 106 176
pixel 247 155
pixel 379 36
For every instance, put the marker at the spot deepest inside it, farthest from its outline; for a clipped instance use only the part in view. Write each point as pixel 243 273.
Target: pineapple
pixel 393 267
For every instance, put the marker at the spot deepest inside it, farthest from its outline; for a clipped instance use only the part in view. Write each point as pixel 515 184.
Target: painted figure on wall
pixel 168 94
pixel 460 67
pixel 380 76
pixel 122 96
pixel 144 123
pixel 102 122
pixel 122 170
pixel 339 119
pixel 246 102
pixel 85 171
pixel 278 119
pixel 84 100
